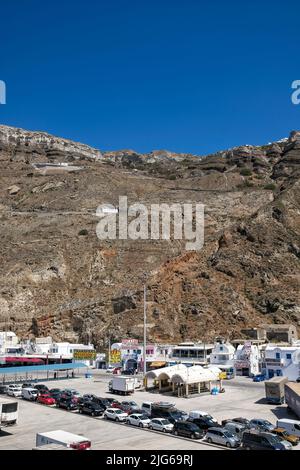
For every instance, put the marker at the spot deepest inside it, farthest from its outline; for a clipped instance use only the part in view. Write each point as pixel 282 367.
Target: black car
pixel 66 403
pixel 204 423
pixel 187 429
pixel 102 402
pixel 41 388
pixel 55 393
pixel 91 408
pixel 128 372
pixel 3 389
pixel 244 421
pixel 255 440
pixel 27 385
pixel 171 414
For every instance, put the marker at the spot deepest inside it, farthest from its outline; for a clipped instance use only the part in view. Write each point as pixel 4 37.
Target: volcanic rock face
pixel 59 279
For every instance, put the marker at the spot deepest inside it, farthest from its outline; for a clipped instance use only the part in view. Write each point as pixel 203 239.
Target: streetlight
pixel 145 330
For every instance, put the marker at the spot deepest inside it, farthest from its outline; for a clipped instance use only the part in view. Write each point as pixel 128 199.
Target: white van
pixel 147 407
pixel 195 414
pixel 292 426
pixel 30 394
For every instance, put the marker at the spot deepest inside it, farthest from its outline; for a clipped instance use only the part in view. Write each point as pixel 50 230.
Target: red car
pixel 46 399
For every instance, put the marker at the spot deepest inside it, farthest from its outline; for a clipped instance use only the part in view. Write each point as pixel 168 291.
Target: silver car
pixel 235 428
pixel 137 419
pixel 161 424
pixel 222 436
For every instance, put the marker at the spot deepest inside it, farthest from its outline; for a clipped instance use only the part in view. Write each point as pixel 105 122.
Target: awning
pixel 157 364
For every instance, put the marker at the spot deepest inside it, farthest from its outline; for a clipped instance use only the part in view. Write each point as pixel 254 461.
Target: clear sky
pixel 189 76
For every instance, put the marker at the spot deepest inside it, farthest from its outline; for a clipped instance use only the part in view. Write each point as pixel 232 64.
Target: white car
pixel 199 414
pixel 161 424
pixel 115 414
pixel 138 419
pixel 14 390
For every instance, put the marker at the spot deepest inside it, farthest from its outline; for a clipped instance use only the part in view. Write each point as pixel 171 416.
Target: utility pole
pixel 145 331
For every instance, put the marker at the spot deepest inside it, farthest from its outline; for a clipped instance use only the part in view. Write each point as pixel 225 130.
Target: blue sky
pixel 189 76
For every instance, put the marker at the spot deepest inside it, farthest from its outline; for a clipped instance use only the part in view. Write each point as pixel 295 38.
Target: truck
pixel 8 412
pixel 275 390
pixel 292 396
pixel 122 385
pixel 62 438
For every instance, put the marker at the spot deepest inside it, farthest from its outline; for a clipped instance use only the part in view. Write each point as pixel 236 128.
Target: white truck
pixel 122 385
pixel 292 396
pixel 62 438
pixel 8 412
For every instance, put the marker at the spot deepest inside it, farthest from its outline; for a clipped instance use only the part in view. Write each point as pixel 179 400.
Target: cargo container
pixel 275 390
pixel 8 412
pixel 292 396
pixel 122 385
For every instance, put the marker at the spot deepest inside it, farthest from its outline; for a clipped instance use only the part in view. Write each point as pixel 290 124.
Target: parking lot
pixel 242 398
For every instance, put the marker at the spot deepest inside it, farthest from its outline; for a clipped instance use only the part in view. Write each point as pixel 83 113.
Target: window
pixel 221 348
pixel 277 355
pixel 289 356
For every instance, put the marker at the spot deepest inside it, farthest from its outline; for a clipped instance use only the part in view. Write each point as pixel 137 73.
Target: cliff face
pixel 58 278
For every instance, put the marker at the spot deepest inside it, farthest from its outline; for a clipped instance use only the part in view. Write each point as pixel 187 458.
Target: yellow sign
pixel 222 375
pixel 84 354
pixel 115 356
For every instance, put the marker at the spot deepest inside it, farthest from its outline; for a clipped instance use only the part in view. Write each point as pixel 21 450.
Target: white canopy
pixel 182 374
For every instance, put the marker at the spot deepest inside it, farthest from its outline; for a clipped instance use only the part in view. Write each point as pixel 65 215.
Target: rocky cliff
pixel 59 279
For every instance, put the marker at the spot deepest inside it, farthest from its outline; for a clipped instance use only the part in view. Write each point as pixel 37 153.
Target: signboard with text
pixel 115 356
pixel 84 354
pixel 130 343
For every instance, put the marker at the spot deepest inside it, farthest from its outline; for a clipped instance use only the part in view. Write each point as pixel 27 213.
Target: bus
pixel 8 412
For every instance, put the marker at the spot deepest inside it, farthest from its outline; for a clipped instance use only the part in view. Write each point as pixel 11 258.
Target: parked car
pixel 171 414
pixel 14 390
pixel 66 403
pixel 222 436
pixel 129 406
pixel 109 369
pixel 91 408
pixel 187 429
pixel 3 389
pixel 27 385
pixel 161 424
pixel 29 394
pixel 41 388
pixel 103 402
pixel 259 378
pixel 128 372
pixel 244 421
pixel 55 393
pixel 46 399
pixel 117 370
pixel 286 436
pixel 235 428
pixel 112 401
pixel 199 414
pixel 115 414
pixel 205 422
pixel 71 392
pixel 256 440
pixel 262 425
pixel 137 419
